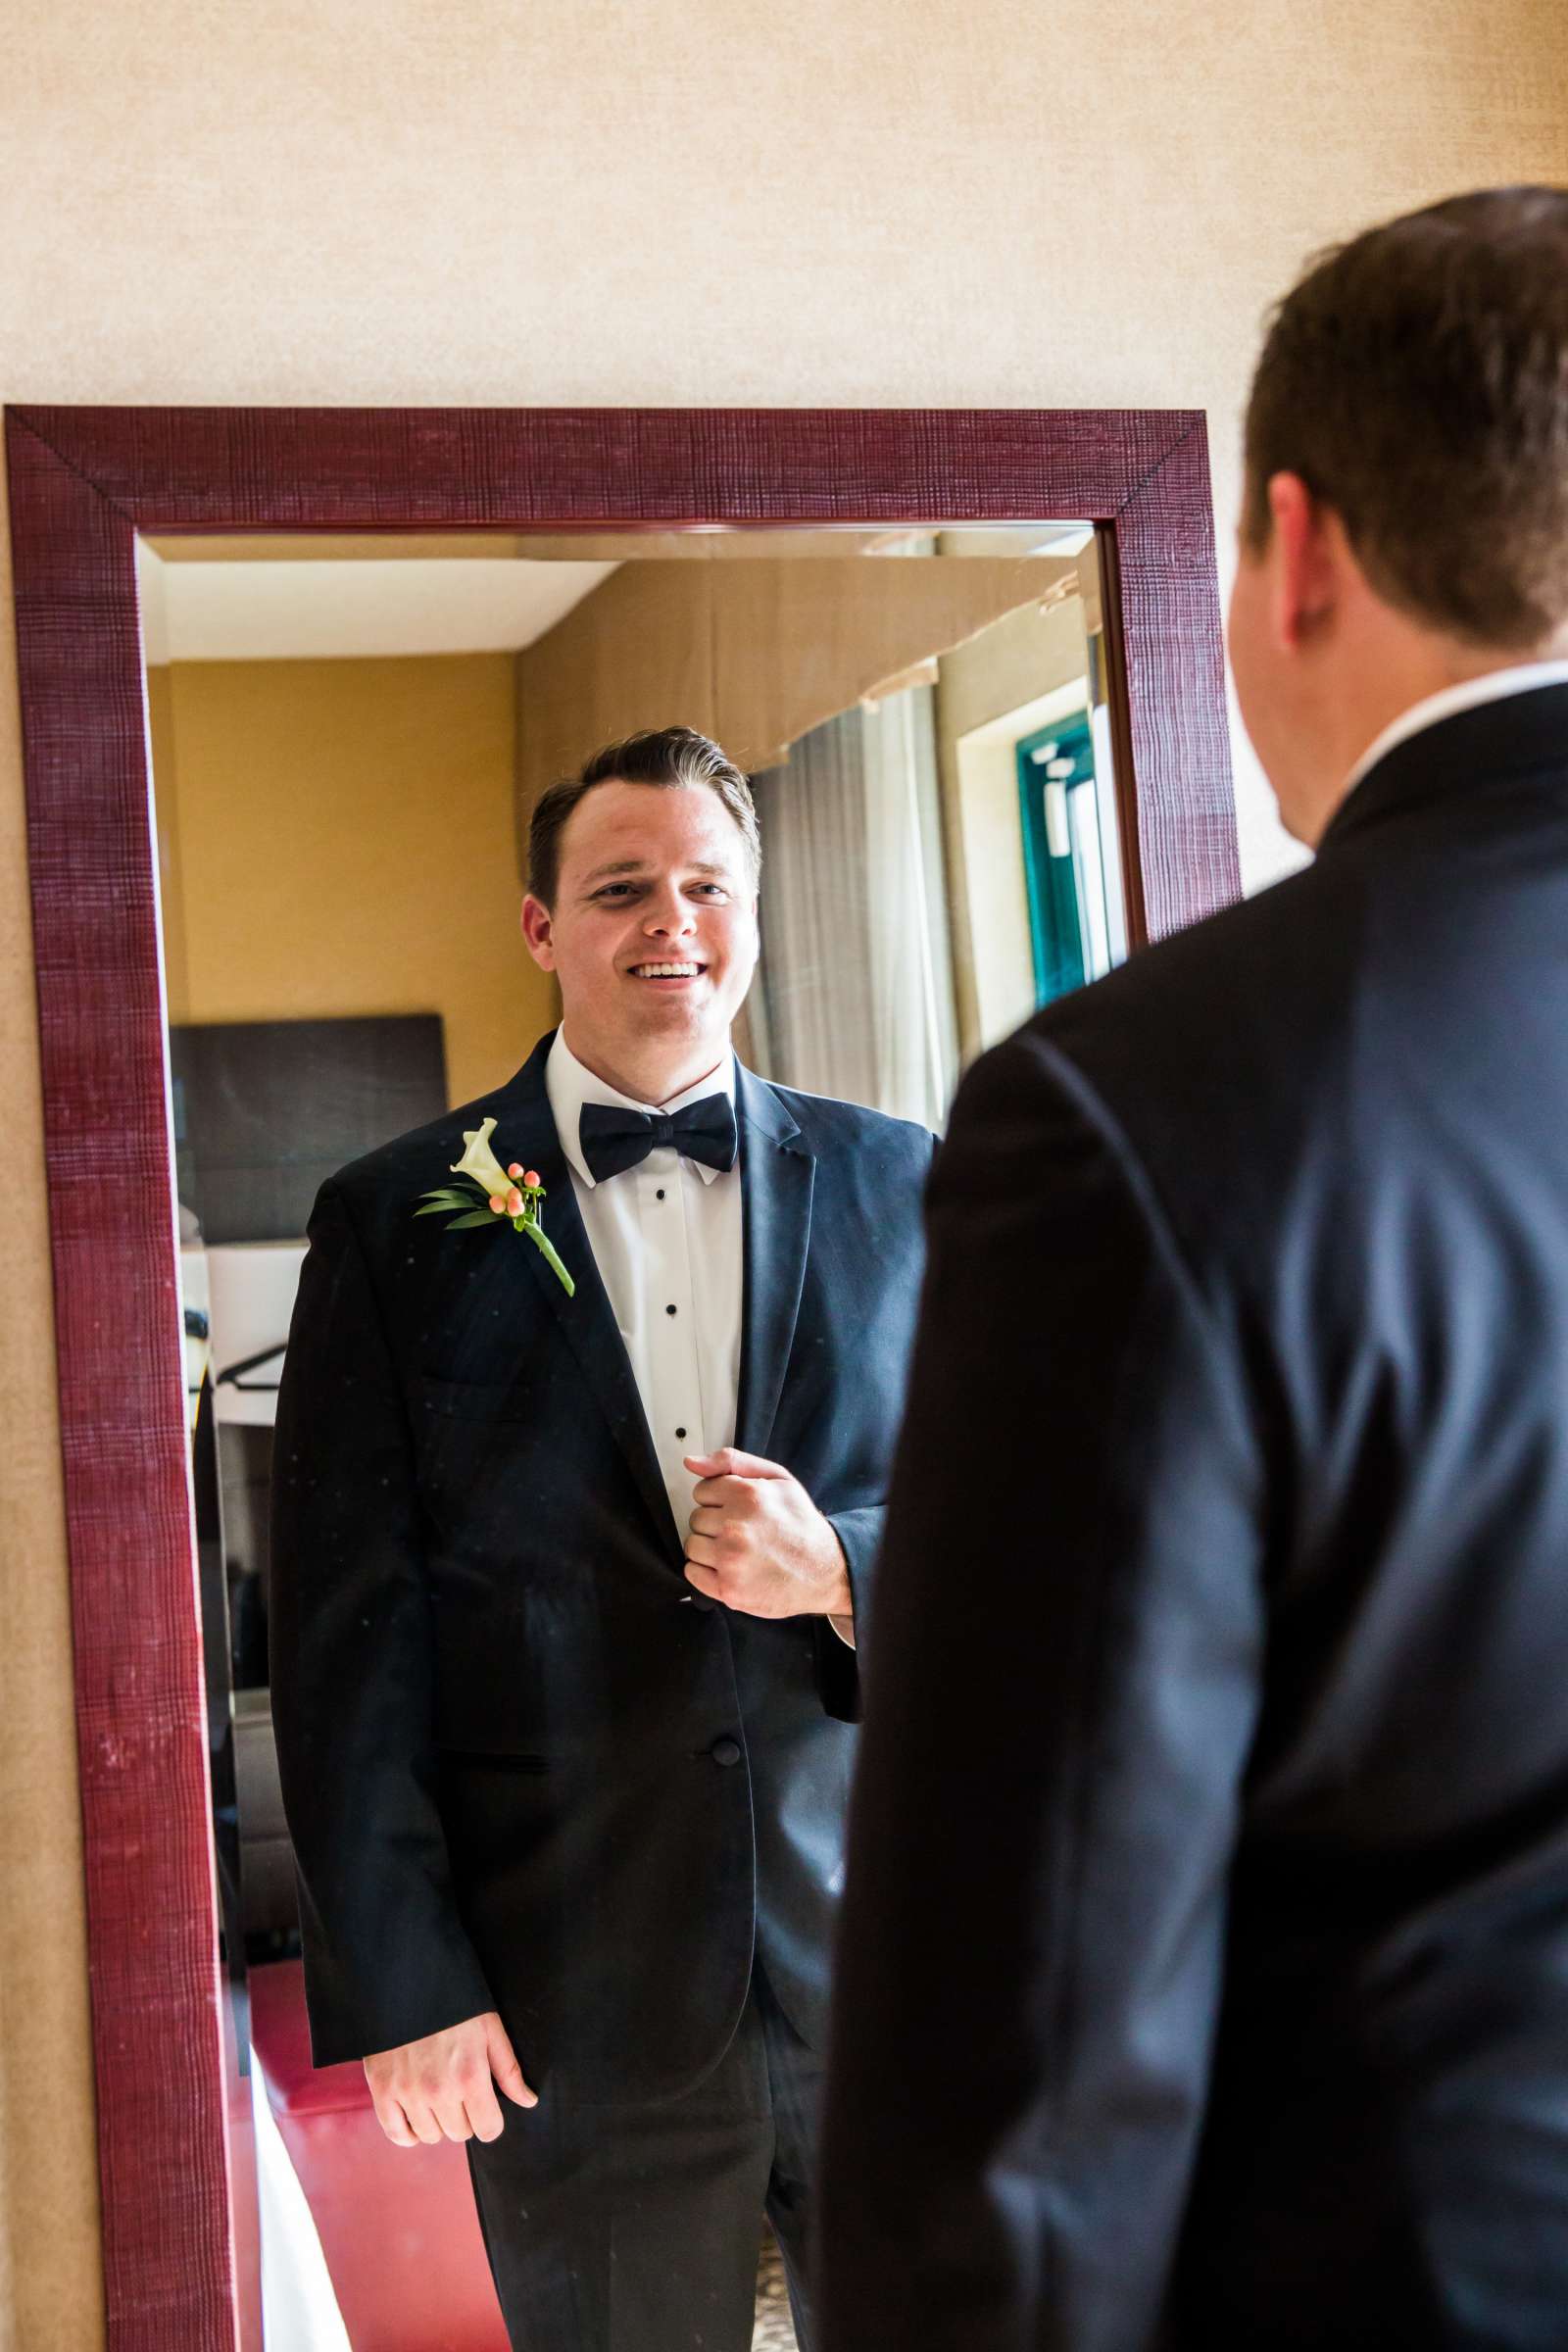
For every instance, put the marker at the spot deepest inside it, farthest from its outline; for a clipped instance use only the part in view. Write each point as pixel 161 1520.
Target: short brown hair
pixel 664 757
pixel 1417 381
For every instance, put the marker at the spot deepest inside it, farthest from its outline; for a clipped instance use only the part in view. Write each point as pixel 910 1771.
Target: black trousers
pixel 637 2229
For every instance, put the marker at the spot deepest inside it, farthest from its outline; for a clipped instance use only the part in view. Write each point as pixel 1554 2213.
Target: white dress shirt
pixel 1493 686
pixel 666 1239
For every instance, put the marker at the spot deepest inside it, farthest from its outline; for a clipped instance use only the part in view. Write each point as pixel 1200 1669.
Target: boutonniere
pixel 512 1193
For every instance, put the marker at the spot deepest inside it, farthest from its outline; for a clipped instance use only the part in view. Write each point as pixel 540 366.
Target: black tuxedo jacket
pixel 1207 1983
pixel 524 1767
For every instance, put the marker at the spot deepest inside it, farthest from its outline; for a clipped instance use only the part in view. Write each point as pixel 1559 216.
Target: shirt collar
pixel 569 1084
pixel 1524 677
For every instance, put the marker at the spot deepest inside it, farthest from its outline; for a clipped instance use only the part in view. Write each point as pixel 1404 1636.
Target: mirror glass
pixel 348 736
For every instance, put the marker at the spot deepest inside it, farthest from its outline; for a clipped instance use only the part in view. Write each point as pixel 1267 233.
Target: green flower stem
pixel 526 1224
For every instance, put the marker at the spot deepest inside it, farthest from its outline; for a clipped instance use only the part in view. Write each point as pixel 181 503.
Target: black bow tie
pixel 612 1140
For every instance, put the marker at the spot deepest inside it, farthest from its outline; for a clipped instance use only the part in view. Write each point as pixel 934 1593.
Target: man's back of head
pixel 1405 518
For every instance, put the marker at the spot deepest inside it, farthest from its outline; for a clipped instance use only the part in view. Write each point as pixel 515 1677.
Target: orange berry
pixel 497 1204
pixel 514 1204
pixel 515 1170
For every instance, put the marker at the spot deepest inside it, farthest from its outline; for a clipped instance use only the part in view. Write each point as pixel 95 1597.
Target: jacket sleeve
pixel 837 1668
pixel 386 1958
pixel 1061 1694
pixel 859 1533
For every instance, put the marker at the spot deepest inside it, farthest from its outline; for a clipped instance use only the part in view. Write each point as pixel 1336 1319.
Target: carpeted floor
pixel 774 2332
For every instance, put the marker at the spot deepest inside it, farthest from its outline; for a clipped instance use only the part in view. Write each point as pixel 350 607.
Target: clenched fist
pixel 759 1543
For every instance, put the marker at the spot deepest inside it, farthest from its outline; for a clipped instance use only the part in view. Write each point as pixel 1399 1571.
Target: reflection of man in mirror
pixel 568 1588
pixel 1245 2022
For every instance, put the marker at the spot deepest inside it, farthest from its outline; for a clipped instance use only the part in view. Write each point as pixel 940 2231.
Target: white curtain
pixel 855 997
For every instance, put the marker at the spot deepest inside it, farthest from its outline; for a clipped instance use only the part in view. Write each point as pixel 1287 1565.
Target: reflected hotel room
pixel 345 744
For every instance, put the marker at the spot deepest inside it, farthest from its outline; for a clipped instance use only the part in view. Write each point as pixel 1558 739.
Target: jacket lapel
pixel 525 1131
pixel 778 1174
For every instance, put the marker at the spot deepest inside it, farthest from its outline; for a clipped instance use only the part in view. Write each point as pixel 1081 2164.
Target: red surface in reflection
pixel 397 2226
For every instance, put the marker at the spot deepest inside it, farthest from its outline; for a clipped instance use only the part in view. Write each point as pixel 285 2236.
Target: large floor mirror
pixel 295 754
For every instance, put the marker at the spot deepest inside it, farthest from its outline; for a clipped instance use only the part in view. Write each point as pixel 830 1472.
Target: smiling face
pixel 652 936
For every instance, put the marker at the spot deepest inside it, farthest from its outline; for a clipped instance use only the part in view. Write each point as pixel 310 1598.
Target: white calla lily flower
pixel 481 1163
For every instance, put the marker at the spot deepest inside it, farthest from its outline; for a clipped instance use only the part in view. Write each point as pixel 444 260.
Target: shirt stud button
pixel 670 1310
pixel 660 1195
pixel 680 1433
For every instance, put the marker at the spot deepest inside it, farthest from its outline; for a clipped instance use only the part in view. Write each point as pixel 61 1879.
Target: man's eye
pixel 717 889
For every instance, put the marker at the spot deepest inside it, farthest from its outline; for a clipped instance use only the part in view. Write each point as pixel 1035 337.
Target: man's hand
pixel 442 2087
pixel 758 1543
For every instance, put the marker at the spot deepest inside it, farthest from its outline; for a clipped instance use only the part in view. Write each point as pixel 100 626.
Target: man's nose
pixel 670 915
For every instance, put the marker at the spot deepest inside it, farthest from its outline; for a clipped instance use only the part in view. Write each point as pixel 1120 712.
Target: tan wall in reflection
pixel 1030 654
pixel 902 204
pixel 336 838
pixel 750 653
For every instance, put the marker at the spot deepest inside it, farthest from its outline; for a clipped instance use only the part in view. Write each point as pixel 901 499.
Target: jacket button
pixel 725 1752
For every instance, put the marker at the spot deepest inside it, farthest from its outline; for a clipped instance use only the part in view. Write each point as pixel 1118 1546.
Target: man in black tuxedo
pixel 1204 1980
pixel 567 1584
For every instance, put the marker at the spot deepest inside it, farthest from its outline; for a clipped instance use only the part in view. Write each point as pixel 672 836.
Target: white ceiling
pixel 279 611
pixel 344 604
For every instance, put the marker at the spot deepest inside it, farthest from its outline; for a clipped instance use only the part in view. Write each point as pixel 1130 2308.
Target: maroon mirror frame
pixel 83 482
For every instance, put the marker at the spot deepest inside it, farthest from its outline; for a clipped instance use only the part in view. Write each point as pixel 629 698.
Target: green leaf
pixel 482 1217
pixel 451 1193
pixel 439 1208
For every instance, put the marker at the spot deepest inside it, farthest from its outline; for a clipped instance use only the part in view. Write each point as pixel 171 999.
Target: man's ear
pixel 538 933
pixel 1307 552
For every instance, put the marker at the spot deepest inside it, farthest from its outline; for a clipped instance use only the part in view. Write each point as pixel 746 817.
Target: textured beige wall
pixel 336 838
pixel 692 201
